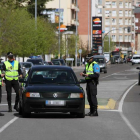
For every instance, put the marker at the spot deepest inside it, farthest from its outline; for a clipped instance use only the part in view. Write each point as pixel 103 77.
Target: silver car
pixel 100 59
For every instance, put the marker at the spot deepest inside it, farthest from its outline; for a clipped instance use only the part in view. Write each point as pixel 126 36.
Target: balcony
pixel 74 22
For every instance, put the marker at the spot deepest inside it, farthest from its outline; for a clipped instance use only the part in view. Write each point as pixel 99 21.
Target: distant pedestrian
pixel 12 71
pixel 1 84
pixel 91 74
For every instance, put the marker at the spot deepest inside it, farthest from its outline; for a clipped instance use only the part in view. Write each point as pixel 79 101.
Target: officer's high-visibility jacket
pixel 89 69
pixel 0 79
pixel 11 73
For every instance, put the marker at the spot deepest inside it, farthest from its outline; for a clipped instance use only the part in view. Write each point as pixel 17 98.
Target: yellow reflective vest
pixel 11 73
pixel 0 79
pixel 89 69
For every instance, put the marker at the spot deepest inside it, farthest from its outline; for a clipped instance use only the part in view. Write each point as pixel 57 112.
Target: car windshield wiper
pixel 37 82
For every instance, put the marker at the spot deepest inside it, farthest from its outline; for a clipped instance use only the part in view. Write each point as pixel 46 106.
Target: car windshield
pixel 136 57
pixel 56 62
pixel 99 60
pixel 35 62
pixel 26 65
pixel 52 77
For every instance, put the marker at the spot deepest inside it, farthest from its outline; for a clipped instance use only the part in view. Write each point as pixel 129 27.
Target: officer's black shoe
pixel 88 114
pixel 1 114
pixel 16 108
pixel 10 109
pixel 94 113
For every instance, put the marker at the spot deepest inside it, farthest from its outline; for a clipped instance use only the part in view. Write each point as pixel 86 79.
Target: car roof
pixel 43 67
pixel 98 56
pixel 27 62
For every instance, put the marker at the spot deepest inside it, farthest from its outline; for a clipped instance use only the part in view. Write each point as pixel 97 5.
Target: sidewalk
pixel 110 92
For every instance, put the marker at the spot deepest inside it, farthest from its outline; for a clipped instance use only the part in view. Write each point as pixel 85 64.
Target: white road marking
pixel 122 99
pixel 130 126
pixel 123 116
pixel 5 104
pixel 8 124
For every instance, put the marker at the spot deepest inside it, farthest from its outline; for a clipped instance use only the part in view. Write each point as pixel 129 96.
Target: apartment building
pixel 68 10
pixel 85 19
pixel 136 4
pixel 118 16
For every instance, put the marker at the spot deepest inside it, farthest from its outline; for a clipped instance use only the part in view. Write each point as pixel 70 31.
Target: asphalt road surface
pixel 121 123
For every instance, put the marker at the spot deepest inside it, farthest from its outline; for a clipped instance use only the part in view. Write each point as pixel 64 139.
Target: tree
pixel 106 44
pixel 19 34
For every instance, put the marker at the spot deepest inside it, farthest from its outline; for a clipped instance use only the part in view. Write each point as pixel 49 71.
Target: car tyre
pixel 132 63
pixel 105 71
pixel 20 109
pixel 25 114
pixel 81 115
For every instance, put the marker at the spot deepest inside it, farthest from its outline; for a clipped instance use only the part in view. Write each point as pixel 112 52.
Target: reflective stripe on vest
pixel 11 73
pixel 0 79
pixel 89 69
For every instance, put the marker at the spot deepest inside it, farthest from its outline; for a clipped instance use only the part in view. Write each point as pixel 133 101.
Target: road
pixel 120 123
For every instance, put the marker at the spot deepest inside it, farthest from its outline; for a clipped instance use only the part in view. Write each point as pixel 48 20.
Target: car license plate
pixel 55 103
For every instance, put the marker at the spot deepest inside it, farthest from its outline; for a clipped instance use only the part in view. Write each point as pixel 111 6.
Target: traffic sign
pixel 80 50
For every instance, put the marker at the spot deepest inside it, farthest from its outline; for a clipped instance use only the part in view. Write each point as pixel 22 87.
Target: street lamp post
pixel 59 34
pixel 76 36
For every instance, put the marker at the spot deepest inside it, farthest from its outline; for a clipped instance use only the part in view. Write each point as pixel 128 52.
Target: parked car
pixel 135 59
pixel 51 89
pixel 25 66
pixel 56 62
pixel 46 63
pixel 36 61
pixel 129 59
pixel 138 75
pixel 100 59
pixel 61 61
pixel 50 63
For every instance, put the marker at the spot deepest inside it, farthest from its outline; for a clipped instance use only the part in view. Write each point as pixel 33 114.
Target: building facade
pixel 85 15
pixel 68 10
pixel 118 16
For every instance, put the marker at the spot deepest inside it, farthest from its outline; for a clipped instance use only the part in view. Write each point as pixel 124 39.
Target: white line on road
pixel 8 124
pixel 123 116
pixel 122 99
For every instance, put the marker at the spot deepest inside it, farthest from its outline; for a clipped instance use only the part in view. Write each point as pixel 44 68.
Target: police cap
pixel 9 54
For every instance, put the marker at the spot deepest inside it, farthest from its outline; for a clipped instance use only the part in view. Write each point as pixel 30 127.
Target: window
pixel 129 37
pixel 120 13
pixel 113 3
pixel 120 30
pixel 126 21
pixel 113 13
pixel 121 21
pixel 99 10
pixel 113 30
pixel 113 21
pixel 129 21
pixel 113 37
pixel 126 13
pixel 108 4
pixel 73 2
pixel 126 4
pixel 120 38
pixel 106 29
pixel 121 4
pixel 130 13
pixel 107 21
pixel 129 4
pixel 126 37
pixel 99 2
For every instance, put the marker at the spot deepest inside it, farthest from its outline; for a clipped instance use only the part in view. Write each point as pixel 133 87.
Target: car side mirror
pixel 138 68
pixel 22 80
pixel 82 81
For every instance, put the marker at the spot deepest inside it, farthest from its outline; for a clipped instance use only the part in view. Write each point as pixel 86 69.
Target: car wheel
pixel 20 109
pixel 132 63
pixel 105 71
pixel 139 80
pixel 25 114
pixel 81 115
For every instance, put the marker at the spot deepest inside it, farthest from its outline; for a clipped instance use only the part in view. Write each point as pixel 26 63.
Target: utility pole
pixel 59 34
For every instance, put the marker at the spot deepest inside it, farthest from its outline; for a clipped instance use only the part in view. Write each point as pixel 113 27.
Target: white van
pixel 135 59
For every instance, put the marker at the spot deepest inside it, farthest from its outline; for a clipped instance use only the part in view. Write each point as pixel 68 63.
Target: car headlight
pixel 32 94
pixel 76 95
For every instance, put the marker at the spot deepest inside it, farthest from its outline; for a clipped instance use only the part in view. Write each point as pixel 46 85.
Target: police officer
pixel 1 84
pixel 91 74
pixel 12 71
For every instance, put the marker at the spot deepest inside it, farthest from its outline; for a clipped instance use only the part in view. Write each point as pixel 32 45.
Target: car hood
pixel 54 88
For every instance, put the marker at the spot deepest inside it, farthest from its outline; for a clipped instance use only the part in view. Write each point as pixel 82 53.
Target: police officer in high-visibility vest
pixel 1 84
pixel 91 74
pixel 12 73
